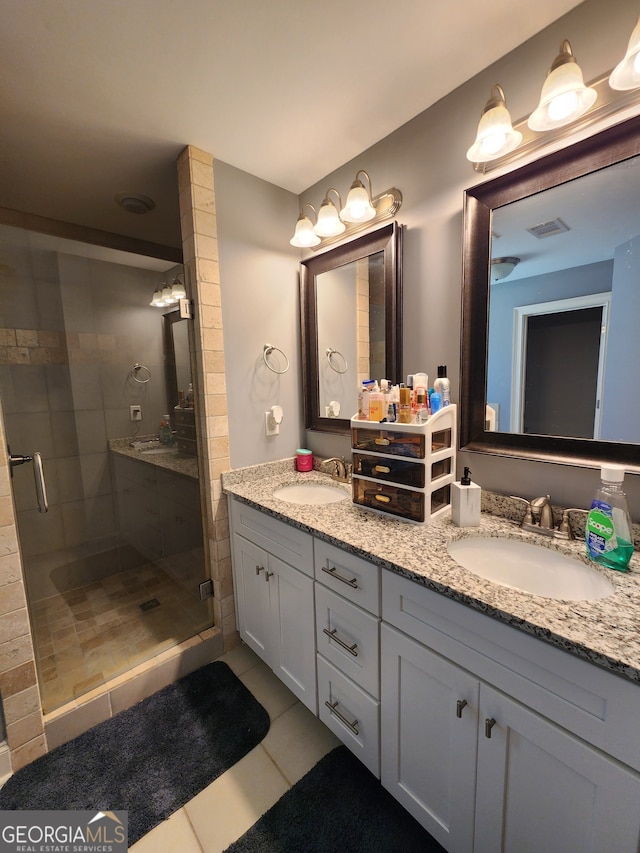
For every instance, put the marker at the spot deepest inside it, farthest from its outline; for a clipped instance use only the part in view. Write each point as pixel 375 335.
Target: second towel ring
pixel 330 353
pixel 266 352
pixel 136 367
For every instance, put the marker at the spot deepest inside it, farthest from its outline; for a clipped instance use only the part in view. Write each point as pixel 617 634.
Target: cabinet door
pixel 252 595
pixel 540 788
pixel 429 714
pixel 293 650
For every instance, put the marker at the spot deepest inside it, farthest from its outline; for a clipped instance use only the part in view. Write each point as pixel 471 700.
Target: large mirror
pixel 351 306
pixel 177 357
pixel 551 306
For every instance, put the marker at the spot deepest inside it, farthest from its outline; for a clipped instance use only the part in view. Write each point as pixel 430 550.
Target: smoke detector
pixel 135 203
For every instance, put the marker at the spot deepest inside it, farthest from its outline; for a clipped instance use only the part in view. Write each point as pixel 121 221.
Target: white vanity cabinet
pixel 348 646
pixel 273 578
pixel 495 741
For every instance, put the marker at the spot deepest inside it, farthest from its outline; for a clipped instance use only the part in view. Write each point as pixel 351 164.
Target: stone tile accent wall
pixel 200 255
pixel 19 691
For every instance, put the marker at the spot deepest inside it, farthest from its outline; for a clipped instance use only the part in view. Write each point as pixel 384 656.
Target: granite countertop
pixel 605 632
pixel 171 459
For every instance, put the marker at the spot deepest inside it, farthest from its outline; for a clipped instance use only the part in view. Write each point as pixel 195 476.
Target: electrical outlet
pixel 270 426
pixel 135 413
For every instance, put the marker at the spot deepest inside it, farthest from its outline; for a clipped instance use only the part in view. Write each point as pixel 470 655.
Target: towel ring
pixel 267 350
pixel 136 367
pixel 331 352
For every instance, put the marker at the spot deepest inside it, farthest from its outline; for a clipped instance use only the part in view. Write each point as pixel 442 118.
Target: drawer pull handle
pixel 259 569
pixel 352 726
pixel 267 575
pixel 333 636
pixel 383 441
pixel 461 704
pixel 488 725
pixel 331 570
pixel 384 499
pixel 382 469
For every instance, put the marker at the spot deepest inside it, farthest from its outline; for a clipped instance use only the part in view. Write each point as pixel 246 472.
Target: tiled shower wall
pixel 72 328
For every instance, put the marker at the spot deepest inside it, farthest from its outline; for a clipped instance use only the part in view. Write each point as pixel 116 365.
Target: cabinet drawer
pixel 411 444
pixel 290 544
pixel 348 575
pixel 184 416
pixel 399 471
pixel 349 637
pixel 350 713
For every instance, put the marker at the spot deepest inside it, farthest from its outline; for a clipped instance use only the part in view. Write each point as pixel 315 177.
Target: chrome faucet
pixel 538 518
pixel 341 469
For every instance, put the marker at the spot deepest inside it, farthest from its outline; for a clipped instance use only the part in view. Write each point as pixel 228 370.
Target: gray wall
pixel 425 158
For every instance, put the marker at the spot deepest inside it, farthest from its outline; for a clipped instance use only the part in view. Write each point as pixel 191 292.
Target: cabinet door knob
pixel 259 569
pixel 267 575
pixel 488 725
pixel 461 704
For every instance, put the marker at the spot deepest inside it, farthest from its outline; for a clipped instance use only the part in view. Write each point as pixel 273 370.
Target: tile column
pixel 200 253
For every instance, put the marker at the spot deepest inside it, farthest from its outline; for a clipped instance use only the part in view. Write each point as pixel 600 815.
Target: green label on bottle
pixel 600 531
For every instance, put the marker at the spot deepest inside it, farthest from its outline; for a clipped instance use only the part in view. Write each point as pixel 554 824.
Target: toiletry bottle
pixel 404 414
pixel 435 401
pixel 376 404
pixel 465 502
pixel 166 436
pixel 443 386
pixel 188 397
pixel 608 531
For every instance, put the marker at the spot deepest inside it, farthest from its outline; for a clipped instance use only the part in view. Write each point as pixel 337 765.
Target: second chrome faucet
pixel 538 518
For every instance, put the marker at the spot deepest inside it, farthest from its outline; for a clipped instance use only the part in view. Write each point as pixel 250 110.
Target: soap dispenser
pixel 465 501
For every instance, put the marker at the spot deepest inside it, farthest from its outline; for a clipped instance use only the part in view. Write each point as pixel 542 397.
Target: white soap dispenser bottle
pixel 465 502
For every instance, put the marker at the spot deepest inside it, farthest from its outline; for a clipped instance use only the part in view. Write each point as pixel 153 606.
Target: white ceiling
pixel 99 97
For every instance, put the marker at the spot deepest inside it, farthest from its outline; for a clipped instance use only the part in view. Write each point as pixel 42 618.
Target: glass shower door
pixel 113 569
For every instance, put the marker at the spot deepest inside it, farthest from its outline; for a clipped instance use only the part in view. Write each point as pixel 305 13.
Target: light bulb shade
pixel 156 299
pixel 358 207
pixel 329 223
pixel 304 236
pixel 167 297
pixel 495 136
pixel 177 290
pixel 564 97
pixel 502 267
pixel 626 74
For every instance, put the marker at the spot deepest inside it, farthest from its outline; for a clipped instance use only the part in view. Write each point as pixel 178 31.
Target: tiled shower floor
pixel 91 634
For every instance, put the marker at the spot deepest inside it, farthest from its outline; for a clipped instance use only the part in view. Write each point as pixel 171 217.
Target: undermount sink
pixel 153 450
pixel 530 568
pixel 310 493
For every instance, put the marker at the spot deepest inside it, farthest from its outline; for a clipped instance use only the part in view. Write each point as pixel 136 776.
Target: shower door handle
pixel 38 475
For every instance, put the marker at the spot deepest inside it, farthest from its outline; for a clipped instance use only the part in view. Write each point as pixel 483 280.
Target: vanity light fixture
pixel 626 74
pixel 564 97
pixel 496 135
pixel 304 236
pixel 168 294
pixel 329 223
pixel 358 207
pixel 335 222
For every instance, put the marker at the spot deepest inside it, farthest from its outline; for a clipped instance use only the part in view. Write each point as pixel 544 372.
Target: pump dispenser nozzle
pixel 466 479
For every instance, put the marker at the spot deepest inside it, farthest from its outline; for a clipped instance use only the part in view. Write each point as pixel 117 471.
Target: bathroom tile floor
pixel 91 634
pixel 223 811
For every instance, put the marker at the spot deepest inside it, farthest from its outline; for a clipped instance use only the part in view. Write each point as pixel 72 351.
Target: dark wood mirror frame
pixel 603 149
pixel 388 240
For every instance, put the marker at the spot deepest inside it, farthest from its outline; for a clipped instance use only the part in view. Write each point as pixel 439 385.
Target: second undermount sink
pixel 530 568
pixel 310 493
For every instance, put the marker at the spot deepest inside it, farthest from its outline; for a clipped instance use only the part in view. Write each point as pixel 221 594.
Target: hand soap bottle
pixel 465 502
pixel 608 531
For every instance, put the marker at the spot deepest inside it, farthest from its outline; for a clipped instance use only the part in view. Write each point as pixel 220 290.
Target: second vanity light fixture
pixel 564 99
pixel 168 294
pixel 332 222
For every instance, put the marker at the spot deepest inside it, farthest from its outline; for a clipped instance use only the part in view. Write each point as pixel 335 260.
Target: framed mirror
pixel 177 358
pixel 351 312
pixel 551 306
